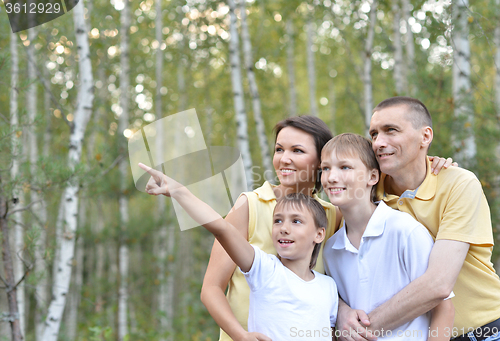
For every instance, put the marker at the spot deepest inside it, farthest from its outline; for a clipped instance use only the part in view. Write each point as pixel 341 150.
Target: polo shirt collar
pixel 265 192
pixel 375 228
pixel 425 191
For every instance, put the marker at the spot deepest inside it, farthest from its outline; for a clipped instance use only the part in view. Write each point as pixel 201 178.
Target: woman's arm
pixel 219 271
pixel 442 316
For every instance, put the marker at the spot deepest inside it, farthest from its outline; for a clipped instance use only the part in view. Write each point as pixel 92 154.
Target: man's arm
pixel 425 292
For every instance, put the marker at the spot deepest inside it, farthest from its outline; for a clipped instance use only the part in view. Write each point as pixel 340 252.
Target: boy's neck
pixel 356 219
pixel 300 268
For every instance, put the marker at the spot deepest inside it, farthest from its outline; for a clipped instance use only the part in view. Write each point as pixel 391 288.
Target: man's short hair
pixel 417 114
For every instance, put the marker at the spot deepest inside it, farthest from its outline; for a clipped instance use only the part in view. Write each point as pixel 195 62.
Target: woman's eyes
pixel 325 169
pixel 345 167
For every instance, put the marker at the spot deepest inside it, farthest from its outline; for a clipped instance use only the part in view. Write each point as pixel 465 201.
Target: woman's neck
pixel 281 191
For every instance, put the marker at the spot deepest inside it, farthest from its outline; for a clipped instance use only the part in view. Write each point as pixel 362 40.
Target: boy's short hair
pixel 299 201
pixel 354 145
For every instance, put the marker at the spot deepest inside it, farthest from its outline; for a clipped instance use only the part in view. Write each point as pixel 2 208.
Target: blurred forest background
pixel 91 257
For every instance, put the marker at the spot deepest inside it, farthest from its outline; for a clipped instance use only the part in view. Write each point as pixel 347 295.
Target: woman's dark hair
pixel 313 126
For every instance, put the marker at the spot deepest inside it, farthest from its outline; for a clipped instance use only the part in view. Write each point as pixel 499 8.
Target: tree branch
pixel 27 207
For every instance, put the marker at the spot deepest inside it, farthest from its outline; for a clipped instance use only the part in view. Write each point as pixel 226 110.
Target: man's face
pixel 396 143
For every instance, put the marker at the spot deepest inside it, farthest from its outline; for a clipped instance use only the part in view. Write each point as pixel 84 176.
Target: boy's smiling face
pixel 346 179
pixel 294 233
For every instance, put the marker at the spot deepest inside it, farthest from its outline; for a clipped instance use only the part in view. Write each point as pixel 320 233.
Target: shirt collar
pixel 265 192
pixel 425 191
pixel 375 228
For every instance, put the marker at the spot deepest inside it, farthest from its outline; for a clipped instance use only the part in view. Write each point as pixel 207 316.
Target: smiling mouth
pixel 385 155
pixel 285 242
pixel 335 190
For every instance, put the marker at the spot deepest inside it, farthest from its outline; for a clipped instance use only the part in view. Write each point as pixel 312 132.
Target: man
pixel 454 209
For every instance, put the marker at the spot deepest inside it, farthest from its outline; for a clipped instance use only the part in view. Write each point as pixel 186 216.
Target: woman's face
pixel 295 158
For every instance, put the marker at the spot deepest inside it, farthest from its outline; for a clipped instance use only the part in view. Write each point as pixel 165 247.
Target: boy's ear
pixel 374 177
pixel 320 235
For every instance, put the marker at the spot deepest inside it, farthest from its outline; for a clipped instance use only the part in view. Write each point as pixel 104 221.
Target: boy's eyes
pixel 297 221
pixel 325 169
pixel 277 221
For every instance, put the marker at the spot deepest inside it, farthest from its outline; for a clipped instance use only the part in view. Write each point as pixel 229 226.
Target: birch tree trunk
pixel 239 101
pixel 410 51
pixel 290 62
pixel 333 108
pixel 18 192
pixel 367 73
pixel 463 137
pixel 123 255
pixel 77 280
pixel 66 243
pixel 8 266
pixel 254 91
pixel 399 74
pixel 166 237
pixel 311 72
pixel 39 211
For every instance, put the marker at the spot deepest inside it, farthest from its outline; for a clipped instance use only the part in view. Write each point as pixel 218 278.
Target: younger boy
pixel 288 300
pixel 378 250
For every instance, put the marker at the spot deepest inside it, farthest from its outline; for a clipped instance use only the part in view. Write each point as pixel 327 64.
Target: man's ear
pixel 427 136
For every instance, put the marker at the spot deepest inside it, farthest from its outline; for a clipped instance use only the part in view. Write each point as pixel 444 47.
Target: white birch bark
pixel 166 235
pixel 38 210
pixel 367 70
pixel 18 192
pixel 333 108
pixel 410 51
pixel 77 279
pixel 82 115
pixel 254 92
pixel 290 62
pixel 239 101
pixel 311 72
pixel 398 72
pixel 8 277
pixel 47 135
pixel 123 254
pixel 463 136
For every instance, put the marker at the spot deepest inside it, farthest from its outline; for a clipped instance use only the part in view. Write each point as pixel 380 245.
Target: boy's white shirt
pixel 285 307
pixel 394 250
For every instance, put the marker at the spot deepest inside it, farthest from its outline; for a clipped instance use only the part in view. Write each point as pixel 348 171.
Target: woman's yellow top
pixel 261 203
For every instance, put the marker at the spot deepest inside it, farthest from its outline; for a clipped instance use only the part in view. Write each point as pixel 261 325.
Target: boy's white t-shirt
pixel 285 307
pixel 394 250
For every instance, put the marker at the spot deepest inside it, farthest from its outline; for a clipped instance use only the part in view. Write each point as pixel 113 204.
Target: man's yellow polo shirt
pixel 452 206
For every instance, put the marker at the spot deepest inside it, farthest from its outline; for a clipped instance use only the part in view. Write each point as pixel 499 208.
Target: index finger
pixel 153 172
